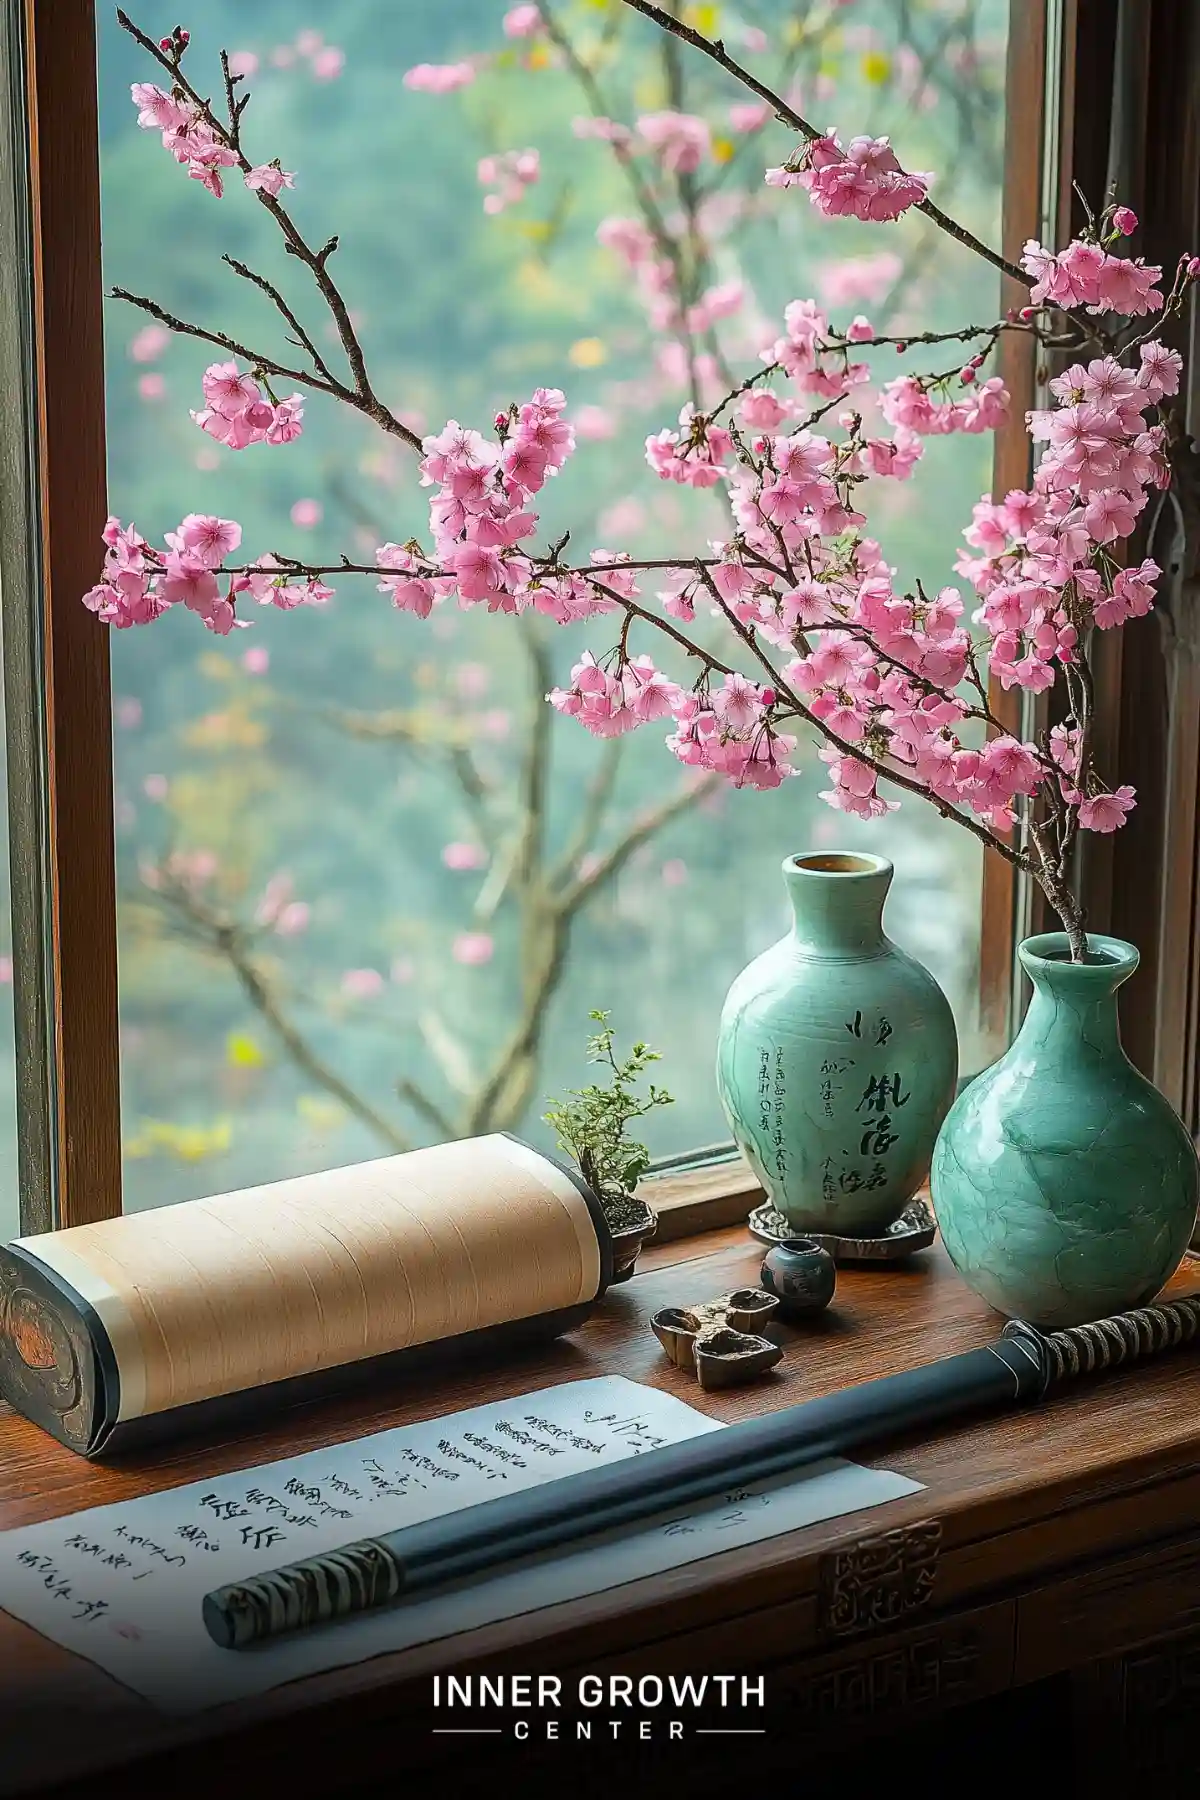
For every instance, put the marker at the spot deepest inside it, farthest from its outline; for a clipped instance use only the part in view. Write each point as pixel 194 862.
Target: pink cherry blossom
pixel 156 787
pixel 680 140
pixel 472 948
pixel 328 63
pixel 859 278
pixel 749 116
pixel 863 181
pixel 257 660
pixel 522 22
pixel 1106 812
pixel 306 513
pixel 151 386
pixel 439 78
pixel 293 919
pixel 362 984
pixel 461 855
pixel 149 343
pixel 269 178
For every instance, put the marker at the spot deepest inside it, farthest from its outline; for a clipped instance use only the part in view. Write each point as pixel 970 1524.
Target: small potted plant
pixel 592 1125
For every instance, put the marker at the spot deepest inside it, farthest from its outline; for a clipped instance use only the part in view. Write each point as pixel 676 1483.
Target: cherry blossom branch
pixel 302 339
pixel 885 771
pixel 221 341
pixel 360 394
pixel 715 50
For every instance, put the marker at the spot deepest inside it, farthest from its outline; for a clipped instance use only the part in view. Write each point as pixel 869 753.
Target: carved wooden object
pixel 879 1580
pixel 719 1341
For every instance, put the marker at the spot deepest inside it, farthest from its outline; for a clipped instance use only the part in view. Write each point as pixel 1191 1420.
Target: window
pixel 361 904
pixel 346 907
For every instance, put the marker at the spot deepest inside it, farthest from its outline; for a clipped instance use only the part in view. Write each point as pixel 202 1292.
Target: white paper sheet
pixel 123 1584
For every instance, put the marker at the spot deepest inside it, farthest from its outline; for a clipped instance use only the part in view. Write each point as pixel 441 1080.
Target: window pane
pixel 371 885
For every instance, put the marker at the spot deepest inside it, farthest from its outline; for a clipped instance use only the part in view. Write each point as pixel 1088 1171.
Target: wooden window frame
pixel 58 717
pixel 53 502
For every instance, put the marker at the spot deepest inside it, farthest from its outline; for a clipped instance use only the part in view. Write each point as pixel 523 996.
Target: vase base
pixel 914 1230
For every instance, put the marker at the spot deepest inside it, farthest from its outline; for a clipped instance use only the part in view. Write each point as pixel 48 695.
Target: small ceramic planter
pixel 628 1239
pixel 801 1276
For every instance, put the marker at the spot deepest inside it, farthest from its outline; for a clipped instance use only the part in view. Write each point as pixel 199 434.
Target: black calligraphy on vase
pixel 772 1093
pixel 874 1125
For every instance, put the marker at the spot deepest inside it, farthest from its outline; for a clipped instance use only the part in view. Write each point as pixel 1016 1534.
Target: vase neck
pixel 837 902
pixel 1076 1001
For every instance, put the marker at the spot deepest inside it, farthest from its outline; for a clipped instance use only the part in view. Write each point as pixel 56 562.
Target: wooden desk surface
pixel 1067 1533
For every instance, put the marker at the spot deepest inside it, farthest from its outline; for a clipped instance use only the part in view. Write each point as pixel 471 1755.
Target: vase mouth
pixel 1110 960
pixel 838 865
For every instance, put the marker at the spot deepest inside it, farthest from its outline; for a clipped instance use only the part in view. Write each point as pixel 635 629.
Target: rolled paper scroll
pixel 109 1329
pixel 476 1540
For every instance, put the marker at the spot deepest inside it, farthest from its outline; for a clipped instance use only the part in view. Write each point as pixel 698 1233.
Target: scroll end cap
pixel 218 1622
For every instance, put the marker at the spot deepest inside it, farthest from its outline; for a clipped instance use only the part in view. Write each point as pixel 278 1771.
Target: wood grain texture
pixel 70 376
pixel 1030 1505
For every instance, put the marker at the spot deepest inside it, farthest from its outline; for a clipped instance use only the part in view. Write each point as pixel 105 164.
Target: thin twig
pixel 715 50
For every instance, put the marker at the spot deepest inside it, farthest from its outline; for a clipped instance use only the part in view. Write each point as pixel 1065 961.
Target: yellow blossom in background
pixel 320 1114
pixel 722 149
pixel 217 668
pixel 538 57
pixel 242 1052
pixel 189 1143
pixel 876 67
pixel 587 353
pixel 232 729
pixel 703 17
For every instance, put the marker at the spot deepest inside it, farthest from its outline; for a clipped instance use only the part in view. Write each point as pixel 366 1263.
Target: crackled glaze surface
pixel 1064 1184
pixel 837 1055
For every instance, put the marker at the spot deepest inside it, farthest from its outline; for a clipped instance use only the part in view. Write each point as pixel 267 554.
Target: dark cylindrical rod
pixel 377 1571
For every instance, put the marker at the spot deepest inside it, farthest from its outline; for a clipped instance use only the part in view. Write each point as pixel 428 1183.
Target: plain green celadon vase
pixel 1064 1184
pixel 837 1055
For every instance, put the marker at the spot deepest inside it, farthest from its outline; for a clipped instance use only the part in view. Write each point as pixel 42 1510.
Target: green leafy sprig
pixel 592 1122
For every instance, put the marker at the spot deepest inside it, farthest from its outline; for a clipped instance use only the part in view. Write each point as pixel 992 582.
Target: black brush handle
pixel 477 1540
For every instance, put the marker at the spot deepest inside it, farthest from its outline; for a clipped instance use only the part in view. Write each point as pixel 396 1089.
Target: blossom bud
pixel 164 43
pixel 901 348
pixel 1028 313
pixel 760 446
pixel 767 696
pixel 1193 268
pixel 500 421
pixel 967 375
pixel 1125 220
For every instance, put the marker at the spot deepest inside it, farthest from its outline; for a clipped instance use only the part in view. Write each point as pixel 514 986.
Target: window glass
pixel 370 885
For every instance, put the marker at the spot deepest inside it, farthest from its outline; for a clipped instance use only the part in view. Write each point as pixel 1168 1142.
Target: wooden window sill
pixel 697 1200
pixel 1063 1534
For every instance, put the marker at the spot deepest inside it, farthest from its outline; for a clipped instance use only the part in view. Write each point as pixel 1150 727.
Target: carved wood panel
pixel 879 1580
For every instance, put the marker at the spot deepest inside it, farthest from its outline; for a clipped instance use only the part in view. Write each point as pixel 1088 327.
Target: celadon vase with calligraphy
pixel 837 1055
pixel 1064 1184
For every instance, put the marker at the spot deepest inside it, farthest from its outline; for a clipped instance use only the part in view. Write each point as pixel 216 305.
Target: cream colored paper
pixel 217 1295
pixel 139 1616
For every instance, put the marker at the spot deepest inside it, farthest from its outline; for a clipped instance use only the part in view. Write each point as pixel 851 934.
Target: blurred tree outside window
pixel 370 885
